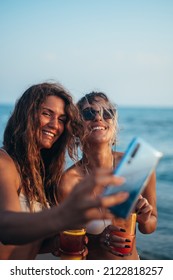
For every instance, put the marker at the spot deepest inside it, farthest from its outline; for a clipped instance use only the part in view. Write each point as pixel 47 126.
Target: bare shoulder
pixel 9 183
pixel 7 166
pixel 4 156
pixel 70 178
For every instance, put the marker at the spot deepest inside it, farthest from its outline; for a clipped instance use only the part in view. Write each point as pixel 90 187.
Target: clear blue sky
pixel 121 47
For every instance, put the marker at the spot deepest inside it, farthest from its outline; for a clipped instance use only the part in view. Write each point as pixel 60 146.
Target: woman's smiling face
pixel 100 127
pixel 52 121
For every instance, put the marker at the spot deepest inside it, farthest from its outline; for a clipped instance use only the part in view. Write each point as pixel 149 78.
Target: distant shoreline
pixel 119 106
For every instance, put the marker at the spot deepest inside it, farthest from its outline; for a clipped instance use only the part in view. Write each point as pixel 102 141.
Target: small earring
pixel 77 147
pixel 77 141
pixel 114 146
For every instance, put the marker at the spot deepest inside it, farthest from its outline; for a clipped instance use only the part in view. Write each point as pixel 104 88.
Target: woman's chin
pixel 46 145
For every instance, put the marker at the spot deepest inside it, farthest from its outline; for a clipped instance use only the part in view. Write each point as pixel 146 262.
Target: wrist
pixel 56 221
pixel 56 246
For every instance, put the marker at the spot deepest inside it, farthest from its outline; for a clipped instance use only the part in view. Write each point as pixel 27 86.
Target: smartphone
pixel 136 166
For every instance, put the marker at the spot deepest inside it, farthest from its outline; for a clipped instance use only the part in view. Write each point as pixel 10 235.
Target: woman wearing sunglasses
pixel 97 138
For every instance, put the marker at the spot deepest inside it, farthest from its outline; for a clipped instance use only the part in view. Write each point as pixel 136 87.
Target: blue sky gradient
pixel 121 47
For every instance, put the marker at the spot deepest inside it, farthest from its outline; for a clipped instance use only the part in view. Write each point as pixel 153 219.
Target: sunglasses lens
pixel 108 114
pixel 89 114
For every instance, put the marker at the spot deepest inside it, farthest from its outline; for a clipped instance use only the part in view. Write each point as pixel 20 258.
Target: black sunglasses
pixel 89 114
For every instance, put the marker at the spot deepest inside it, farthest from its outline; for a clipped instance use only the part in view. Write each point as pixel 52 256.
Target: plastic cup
pixel 129 225
pixel 72 244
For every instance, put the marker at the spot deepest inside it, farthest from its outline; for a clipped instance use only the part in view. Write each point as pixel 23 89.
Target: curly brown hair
pixel 40 171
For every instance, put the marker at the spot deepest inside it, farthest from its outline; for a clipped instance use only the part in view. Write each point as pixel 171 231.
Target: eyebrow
pixel 51 111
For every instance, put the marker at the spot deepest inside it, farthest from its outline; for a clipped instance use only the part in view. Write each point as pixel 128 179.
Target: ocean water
pixel 155 125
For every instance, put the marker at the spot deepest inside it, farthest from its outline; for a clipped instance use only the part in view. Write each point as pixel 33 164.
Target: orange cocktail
pixel 125 250
pixel 130 226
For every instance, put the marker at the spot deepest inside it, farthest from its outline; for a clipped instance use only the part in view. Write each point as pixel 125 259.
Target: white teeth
pixel 98 128
pixel 48 133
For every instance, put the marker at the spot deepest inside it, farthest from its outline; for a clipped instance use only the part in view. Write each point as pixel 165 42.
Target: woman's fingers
pixel 142 205
pixel 114 199
pixel 84 202
pixel 104 202
pixel 99 180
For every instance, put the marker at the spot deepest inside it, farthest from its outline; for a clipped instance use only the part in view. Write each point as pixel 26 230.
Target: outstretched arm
pixel 76 210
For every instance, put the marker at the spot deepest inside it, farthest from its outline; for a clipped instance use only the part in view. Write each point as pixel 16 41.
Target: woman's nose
pixel 54 123
pixel 98 116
